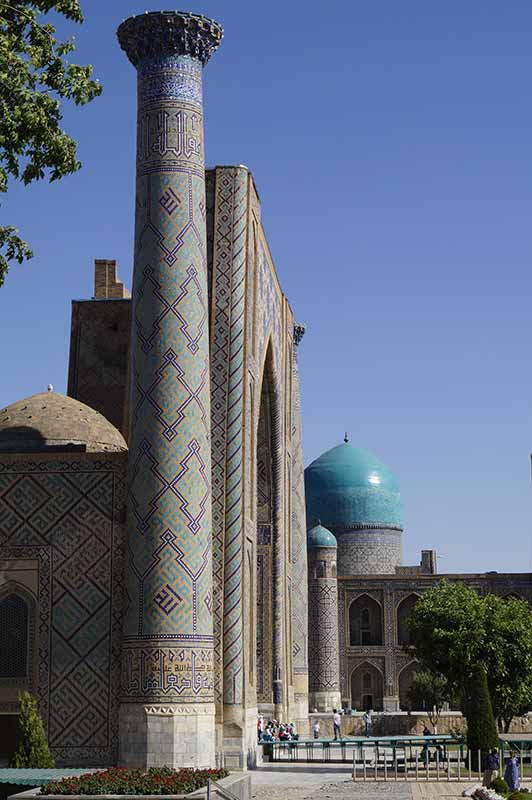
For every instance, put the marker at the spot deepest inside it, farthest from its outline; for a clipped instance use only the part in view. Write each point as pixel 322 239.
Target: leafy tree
pixel 34 77
pixel 453 629
pixel 482 733
pixel 507 654
pixel 32 752
pixel 429 692
pixel 447 629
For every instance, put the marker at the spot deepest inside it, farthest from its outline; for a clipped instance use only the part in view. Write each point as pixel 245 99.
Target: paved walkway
pixel 333 782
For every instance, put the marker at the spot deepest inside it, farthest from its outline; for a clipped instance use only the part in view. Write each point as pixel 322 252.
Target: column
pixel 299 711
pixel 167 708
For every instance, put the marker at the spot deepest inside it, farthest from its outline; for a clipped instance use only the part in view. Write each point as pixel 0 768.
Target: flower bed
pixel 157 780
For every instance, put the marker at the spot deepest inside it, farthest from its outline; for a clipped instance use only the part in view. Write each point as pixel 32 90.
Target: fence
pixel 404 763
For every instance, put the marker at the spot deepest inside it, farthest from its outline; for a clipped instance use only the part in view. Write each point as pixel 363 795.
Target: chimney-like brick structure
pixel 167 707
pixel 106 283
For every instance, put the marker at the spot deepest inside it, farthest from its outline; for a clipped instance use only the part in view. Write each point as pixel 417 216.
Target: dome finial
pixel 346 437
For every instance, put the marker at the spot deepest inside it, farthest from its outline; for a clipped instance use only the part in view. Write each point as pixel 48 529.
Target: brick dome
pixel 50 421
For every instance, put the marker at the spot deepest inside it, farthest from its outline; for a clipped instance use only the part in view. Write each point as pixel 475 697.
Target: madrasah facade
pixel 157 587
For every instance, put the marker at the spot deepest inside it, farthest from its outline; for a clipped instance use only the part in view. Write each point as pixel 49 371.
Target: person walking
pixel 368 723
pixel 316 729
pixel 491 768
pixel 511 773
pixel 337 721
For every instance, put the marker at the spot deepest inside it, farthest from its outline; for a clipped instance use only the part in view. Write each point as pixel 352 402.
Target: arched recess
pixel 365 622
pixel 269 594
pixel 405 682
pixel 366 687
pixel 512 596
pixel 17 633
pixel 404 609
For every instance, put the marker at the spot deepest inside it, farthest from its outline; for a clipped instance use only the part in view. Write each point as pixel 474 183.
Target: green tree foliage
pixel 453 629
pixel 32 752
pixel 429 692
pixel 482 733
pixel 35 76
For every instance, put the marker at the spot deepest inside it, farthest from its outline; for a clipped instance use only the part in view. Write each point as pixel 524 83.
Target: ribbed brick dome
pixel 51 421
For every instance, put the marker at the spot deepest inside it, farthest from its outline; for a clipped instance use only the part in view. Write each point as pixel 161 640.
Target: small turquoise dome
pixel 318 536
pixel 348 487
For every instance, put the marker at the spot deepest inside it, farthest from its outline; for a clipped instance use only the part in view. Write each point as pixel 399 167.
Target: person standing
pixel 368 723
pixel 337 721
pixel 491 768
pixel 316 729
pixel 511 773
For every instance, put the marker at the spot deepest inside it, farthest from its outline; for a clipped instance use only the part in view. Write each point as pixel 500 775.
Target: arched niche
pixel 404 609
pixel 268 594
pixel 365 622
pixel 406 677
pixel 366 687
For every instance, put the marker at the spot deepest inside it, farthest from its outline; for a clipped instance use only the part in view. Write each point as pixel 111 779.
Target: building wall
pixel 391 660
pixel 251 351
pixel 61 544
pixel 98 364
pixel 252 374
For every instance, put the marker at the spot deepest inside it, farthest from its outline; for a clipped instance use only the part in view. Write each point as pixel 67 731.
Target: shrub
pixel 32 752
pixel 117 780
pixel 482 733
pixel 499 785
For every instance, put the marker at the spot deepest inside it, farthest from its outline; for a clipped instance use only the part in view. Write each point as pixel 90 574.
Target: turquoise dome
pixel 318 536
pixel 348 487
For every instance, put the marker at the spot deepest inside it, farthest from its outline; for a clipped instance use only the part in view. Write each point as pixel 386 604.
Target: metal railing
pixel 415 764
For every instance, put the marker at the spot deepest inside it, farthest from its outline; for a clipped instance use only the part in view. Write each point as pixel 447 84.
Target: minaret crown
pixel 157 34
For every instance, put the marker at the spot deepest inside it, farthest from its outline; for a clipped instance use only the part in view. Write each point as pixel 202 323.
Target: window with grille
pixel 14 624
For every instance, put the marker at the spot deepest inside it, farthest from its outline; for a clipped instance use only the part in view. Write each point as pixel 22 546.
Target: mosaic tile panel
pixel 299 529
pixel 68 514
pixel 227 400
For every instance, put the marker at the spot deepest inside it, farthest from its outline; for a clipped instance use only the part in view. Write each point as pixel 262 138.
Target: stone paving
pixel 334 782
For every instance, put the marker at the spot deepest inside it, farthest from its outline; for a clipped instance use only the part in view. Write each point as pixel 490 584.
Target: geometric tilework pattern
pixel 168 628
pixel 70 510
pixel 227 363
pixel 323 635
pixel 299 533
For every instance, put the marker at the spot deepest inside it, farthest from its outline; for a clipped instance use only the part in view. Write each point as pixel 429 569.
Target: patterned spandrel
pixel 168 633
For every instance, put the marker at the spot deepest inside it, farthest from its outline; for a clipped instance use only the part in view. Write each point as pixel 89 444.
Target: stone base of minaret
pixel 324 701
pixel 163 735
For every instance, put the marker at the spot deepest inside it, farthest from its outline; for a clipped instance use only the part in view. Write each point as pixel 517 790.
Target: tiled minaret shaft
pixel 167 712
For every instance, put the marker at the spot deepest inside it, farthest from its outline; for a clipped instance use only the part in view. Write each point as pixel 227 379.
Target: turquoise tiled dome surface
pixel 347 487
pixel 318 536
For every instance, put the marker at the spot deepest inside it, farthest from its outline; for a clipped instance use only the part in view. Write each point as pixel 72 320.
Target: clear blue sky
pixel 391 144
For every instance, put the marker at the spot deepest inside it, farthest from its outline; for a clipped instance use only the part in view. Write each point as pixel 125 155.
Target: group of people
pixel 273 731
pixel 511 770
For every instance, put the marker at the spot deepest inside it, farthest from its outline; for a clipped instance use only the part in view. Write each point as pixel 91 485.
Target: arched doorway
pixel 365 622
pixel 366 688
pixel 405 682
pixel 404 610
pixel 267 600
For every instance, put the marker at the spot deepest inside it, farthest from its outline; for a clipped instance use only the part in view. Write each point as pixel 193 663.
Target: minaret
pixel 167 709
pixel 323 642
